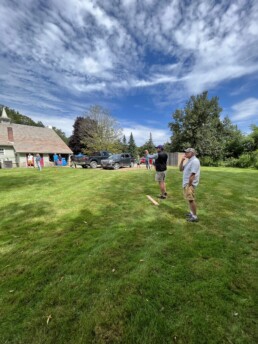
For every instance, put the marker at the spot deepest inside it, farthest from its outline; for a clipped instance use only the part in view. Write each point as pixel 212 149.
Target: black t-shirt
pixel 161 162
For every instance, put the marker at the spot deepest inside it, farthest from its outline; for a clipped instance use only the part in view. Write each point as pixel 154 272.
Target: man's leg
pixel 162 186
pixel 193 207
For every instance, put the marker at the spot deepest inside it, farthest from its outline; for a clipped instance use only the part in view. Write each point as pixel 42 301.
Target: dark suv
pixel 118 160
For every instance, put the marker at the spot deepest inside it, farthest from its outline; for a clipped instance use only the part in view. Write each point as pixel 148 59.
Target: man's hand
pixel 183 157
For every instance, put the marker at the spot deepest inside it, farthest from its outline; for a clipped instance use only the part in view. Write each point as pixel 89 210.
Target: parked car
pixel 118 160
pixel 93 160
pixel 143 160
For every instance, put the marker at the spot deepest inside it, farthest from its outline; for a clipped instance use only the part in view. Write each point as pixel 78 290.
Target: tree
pixel 18 118
pixel 167 147
pixel 124 144
pixel 103 132
pixel 75 140
pixel 148 145
pixel 198 125
pixel 254 135
pixel 132 148
pixel 232 139
pixel 61 134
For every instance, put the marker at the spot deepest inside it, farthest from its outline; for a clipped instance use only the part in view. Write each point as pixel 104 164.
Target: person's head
pixel 159 148
pixel 146 151
pixel 189 152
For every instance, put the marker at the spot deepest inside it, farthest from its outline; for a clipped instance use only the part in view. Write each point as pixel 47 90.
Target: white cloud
pixel 77 49
pixel 141 133
pixel 210 42
pixel 245 110
pixel 63 123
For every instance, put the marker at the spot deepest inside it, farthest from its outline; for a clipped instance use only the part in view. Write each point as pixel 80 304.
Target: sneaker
pixel 188 215
pixel 192 219
pixel 162 196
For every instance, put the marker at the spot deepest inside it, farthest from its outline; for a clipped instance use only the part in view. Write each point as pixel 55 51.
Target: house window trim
pixel 2 151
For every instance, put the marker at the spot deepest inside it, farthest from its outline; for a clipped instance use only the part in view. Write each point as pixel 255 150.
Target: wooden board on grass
pixel 152 200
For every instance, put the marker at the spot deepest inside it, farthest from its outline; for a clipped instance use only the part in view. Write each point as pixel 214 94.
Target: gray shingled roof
pixel 29 139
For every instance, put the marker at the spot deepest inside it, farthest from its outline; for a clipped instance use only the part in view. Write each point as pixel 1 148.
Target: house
pixel 17 141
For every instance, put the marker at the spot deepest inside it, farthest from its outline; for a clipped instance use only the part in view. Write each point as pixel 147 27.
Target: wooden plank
pixel 152 200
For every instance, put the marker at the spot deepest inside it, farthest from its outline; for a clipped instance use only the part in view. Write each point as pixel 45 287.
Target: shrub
pixel 255 157
pixel 231 162
pixel 245 160
pixel 209 161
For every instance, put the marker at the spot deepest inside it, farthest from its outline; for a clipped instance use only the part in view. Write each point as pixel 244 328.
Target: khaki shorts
pixel 189 193
pixel 160 176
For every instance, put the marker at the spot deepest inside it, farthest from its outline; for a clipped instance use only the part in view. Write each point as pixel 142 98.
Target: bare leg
pixel 193 207
pixel 162 186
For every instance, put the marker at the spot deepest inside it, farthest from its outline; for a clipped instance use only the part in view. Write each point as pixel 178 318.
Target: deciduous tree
pixel 104 132
pixel 198 125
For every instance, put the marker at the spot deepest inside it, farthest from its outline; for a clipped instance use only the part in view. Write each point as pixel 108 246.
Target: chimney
pixel 10 134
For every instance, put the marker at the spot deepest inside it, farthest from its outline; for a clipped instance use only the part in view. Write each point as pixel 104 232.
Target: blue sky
pixel 141 59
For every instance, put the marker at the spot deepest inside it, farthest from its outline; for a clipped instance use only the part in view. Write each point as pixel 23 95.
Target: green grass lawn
pixel 86 258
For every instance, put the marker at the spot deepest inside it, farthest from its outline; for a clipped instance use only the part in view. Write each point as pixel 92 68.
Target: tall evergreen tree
pixel 132 148
pixel 124 144
pixel 149 145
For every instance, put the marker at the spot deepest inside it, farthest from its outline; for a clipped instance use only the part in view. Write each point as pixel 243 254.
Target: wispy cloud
pixel 246 110
pixel 73 49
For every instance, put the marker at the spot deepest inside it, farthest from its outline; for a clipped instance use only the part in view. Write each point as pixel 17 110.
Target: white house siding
pixel 9 155
pixel 47 163
pixel 22 159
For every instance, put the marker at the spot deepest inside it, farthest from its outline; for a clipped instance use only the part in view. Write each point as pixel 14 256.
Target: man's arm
pixel 153 156
pixel 194 168
pixel 181 166
pixel 191 179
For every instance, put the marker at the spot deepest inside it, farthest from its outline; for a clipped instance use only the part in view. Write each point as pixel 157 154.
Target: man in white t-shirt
pixel 191 177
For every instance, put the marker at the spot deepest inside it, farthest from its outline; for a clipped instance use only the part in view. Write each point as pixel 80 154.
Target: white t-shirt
pixel 192 166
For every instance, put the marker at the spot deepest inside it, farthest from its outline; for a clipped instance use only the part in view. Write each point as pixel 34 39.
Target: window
pixel 1 151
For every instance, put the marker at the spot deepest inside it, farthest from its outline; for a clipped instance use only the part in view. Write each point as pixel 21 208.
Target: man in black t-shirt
pixel 161 169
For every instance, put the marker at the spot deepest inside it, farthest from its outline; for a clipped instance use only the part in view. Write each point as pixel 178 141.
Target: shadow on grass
pixel 18 216
pixel 17 182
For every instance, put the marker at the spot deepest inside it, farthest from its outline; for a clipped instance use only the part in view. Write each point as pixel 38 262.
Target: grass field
pixel 86 258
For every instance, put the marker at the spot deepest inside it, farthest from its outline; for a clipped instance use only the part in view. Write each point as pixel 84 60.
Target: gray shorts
pixel 160 176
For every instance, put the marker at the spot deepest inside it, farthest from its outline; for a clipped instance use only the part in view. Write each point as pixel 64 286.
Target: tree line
pixel 199 125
